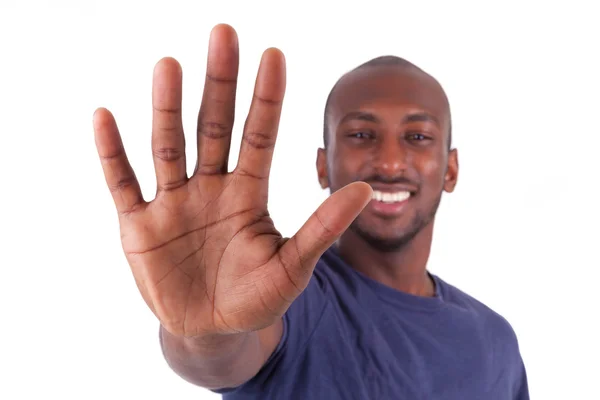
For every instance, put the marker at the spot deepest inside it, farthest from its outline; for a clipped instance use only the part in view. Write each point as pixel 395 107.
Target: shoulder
pixel 491 321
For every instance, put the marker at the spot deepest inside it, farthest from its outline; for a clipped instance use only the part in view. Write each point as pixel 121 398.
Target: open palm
pixel 205 254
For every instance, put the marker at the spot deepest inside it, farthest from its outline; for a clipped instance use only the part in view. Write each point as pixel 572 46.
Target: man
pixel 346 308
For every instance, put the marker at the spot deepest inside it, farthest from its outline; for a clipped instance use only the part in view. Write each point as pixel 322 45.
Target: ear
pixel 322 168
pixel 451 171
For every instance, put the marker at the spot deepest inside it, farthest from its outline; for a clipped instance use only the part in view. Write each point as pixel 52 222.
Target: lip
pixel 394 188
pixel 388 210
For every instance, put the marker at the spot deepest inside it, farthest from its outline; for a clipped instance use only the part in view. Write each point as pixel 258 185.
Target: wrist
pixel 208 345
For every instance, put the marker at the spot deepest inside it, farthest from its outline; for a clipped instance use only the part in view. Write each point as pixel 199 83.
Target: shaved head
pixel 387 123
pixel 381 61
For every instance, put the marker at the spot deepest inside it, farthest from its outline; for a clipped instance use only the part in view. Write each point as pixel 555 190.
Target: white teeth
pixel 386 197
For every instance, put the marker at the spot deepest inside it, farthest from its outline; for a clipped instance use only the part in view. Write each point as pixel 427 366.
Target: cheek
pixel 430 167
pixel 346 166
pixel 434 171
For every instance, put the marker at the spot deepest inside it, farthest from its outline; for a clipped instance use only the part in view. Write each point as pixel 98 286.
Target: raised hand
pixel 205 254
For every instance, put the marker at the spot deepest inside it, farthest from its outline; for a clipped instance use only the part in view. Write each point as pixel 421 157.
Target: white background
pixel 520 233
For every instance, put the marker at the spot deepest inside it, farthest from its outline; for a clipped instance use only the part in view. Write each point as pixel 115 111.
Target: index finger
pixel 262 124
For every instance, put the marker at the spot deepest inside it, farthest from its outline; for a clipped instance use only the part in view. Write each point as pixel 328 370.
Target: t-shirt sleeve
pixel 523 386
pixel 299 323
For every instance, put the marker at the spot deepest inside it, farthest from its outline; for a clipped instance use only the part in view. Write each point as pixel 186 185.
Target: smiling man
pixel 344 309
pixel 373 322
pixel 388 123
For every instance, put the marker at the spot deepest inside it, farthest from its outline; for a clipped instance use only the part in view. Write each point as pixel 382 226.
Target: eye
pixel 362 135
pixel 417 137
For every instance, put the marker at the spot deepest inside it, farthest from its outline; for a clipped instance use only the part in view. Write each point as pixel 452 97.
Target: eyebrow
pixel 369 117
pixel 421 117
pixel 359 115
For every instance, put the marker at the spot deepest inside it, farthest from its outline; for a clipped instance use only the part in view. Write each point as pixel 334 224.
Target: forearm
pixel 219 361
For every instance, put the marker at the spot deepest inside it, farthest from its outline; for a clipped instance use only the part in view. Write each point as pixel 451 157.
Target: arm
pixel 220 361
pixel 206 246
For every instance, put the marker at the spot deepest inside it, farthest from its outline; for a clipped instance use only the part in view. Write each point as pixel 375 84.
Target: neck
pixel 404 269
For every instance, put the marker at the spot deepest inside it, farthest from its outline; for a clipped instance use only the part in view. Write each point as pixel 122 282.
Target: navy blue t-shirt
pixel 349 337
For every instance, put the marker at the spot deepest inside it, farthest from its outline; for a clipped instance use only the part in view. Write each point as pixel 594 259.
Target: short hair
pixel 387 60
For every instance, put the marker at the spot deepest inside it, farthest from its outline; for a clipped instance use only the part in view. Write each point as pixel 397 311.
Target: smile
pixel 388 197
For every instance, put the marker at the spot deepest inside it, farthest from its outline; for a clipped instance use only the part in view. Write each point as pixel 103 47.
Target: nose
pixel 391 158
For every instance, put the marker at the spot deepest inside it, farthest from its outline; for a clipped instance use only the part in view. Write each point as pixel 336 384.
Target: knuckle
pixel 172 185
pixel 241 171
pixel 218 79
pixel 168 110
pixel 122 184
pixel 213 129
pixel 259 140
pixel 167 121
pixel 326 230
pixel 131 210
pixel 204 168
pixel 267 101
pixel 112 157
pixel 168 153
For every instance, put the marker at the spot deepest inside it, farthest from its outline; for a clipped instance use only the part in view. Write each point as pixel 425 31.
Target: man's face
pixel 389 127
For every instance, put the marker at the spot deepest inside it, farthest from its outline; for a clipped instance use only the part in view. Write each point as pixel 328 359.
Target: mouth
pixel 389 204
pixel 391 197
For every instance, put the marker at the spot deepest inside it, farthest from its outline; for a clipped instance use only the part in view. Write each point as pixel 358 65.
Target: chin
pixel 384 240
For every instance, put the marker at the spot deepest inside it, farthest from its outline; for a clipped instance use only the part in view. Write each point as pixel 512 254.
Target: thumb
pixel 301 253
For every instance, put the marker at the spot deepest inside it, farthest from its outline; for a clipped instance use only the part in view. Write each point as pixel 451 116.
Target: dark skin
pixel 389 126
pixel 204 253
